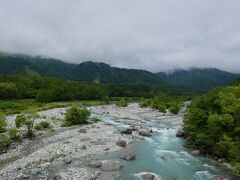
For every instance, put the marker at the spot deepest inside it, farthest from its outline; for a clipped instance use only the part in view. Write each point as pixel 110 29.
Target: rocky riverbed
pixel 67 152
pixel 84 152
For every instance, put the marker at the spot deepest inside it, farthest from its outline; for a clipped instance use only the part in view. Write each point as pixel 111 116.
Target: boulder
pixel 95 164
pixel 126 131
pixel 68 160
pixel 82 131
pixel 145 133
pixel 128 156
pixel 121 143
pixel 147 176
pixel 217 178
pixel 108 165
pixel 195 152
pixel 25 176
pixel 54 177
pixel 84 147
pixel 180 133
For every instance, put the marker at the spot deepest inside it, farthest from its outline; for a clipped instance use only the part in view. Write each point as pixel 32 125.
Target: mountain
pixel 85 72
pixel 197 79
pixel 194 79
pixel 100 72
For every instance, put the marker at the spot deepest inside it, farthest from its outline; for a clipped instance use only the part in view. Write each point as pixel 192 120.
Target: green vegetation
pixel 4 141
pixel 13 134
pixel 162 102
pixel 43 126
pixel 3 123
pixel 122 103
pixel 28 121
pixel 213 124
pixel 76 116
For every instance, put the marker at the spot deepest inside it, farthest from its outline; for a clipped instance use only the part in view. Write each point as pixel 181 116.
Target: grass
pixel 31 105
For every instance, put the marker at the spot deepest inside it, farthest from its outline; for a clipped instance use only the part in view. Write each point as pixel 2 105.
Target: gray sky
pixel 156 35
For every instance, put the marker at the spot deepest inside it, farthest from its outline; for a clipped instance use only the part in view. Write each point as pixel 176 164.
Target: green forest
pixel 212 123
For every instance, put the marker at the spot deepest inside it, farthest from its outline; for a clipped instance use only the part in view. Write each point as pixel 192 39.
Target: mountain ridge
pixel 193 79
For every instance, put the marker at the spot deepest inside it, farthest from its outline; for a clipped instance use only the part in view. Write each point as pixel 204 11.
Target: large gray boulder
pixel 147 175
pixel 180 133
pixel 121 143
pixel 108 165
pixel 128 156
pixel 127 131
pixel 95 164
pixel 195 152
pixel 144 133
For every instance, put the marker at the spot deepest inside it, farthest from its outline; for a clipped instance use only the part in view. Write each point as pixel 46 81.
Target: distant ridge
pixel 194 79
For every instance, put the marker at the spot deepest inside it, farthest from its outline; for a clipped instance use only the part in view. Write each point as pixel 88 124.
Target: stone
pixel 68 160
pixel 25 176
pixel 128 156
pixel 106 148
pixel 84 147
pixel 180 133
pixel 147 175
pixel 95 164
pixel 217 178
pixel 35 171
pixel 195 152
pixel 163 158
pixel 126 131
pixel 108 165
pixel 121 143
pixel 145 133
pixel 82 131
pixel 54 177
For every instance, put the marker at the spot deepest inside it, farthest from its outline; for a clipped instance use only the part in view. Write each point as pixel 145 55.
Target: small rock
pixel 109 165
pixel 128 156
pixel 217 178
pixel 54 177
pixel 93 126
pixel 163 158
pixel 195 152
pixel 95 164
pixel 121 143
pixel 82 131
pixel 147 175
pixel 144 133
pixel 126 131
pixel 180 133
pixel 106 149
pixel 35 171
pixel 68 160
pixel 25 176
pixel 84 147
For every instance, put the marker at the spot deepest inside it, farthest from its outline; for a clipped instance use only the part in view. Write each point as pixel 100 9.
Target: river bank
pixel 69 152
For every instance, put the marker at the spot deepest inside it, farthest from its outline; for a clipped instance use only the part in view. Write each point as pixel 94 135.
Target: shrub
pixel 75 116
pixel 13 134
pixel 122 103
pixel 28 121
pixel 44 125
pixel 4 141
pixel 3 124
pixel 162 108
pixel 175 108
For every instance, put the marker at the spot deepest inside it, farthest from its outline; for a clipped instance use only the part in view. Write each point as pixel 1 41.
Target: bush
pixel 4 141
pixel 75 116
pixel 13 134
pixel 122 103
pixel 162 108
pixel 175 108
pixel 3 124
pixel 44 125
pixel 28 121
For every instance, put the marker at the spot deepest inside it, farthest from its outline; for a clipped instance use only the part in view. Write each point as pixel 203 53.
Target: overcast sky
pixel 157 35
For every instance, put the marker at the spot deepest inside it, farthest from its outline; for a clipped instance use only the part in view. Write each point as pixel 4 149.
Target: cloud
pixel 156 35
